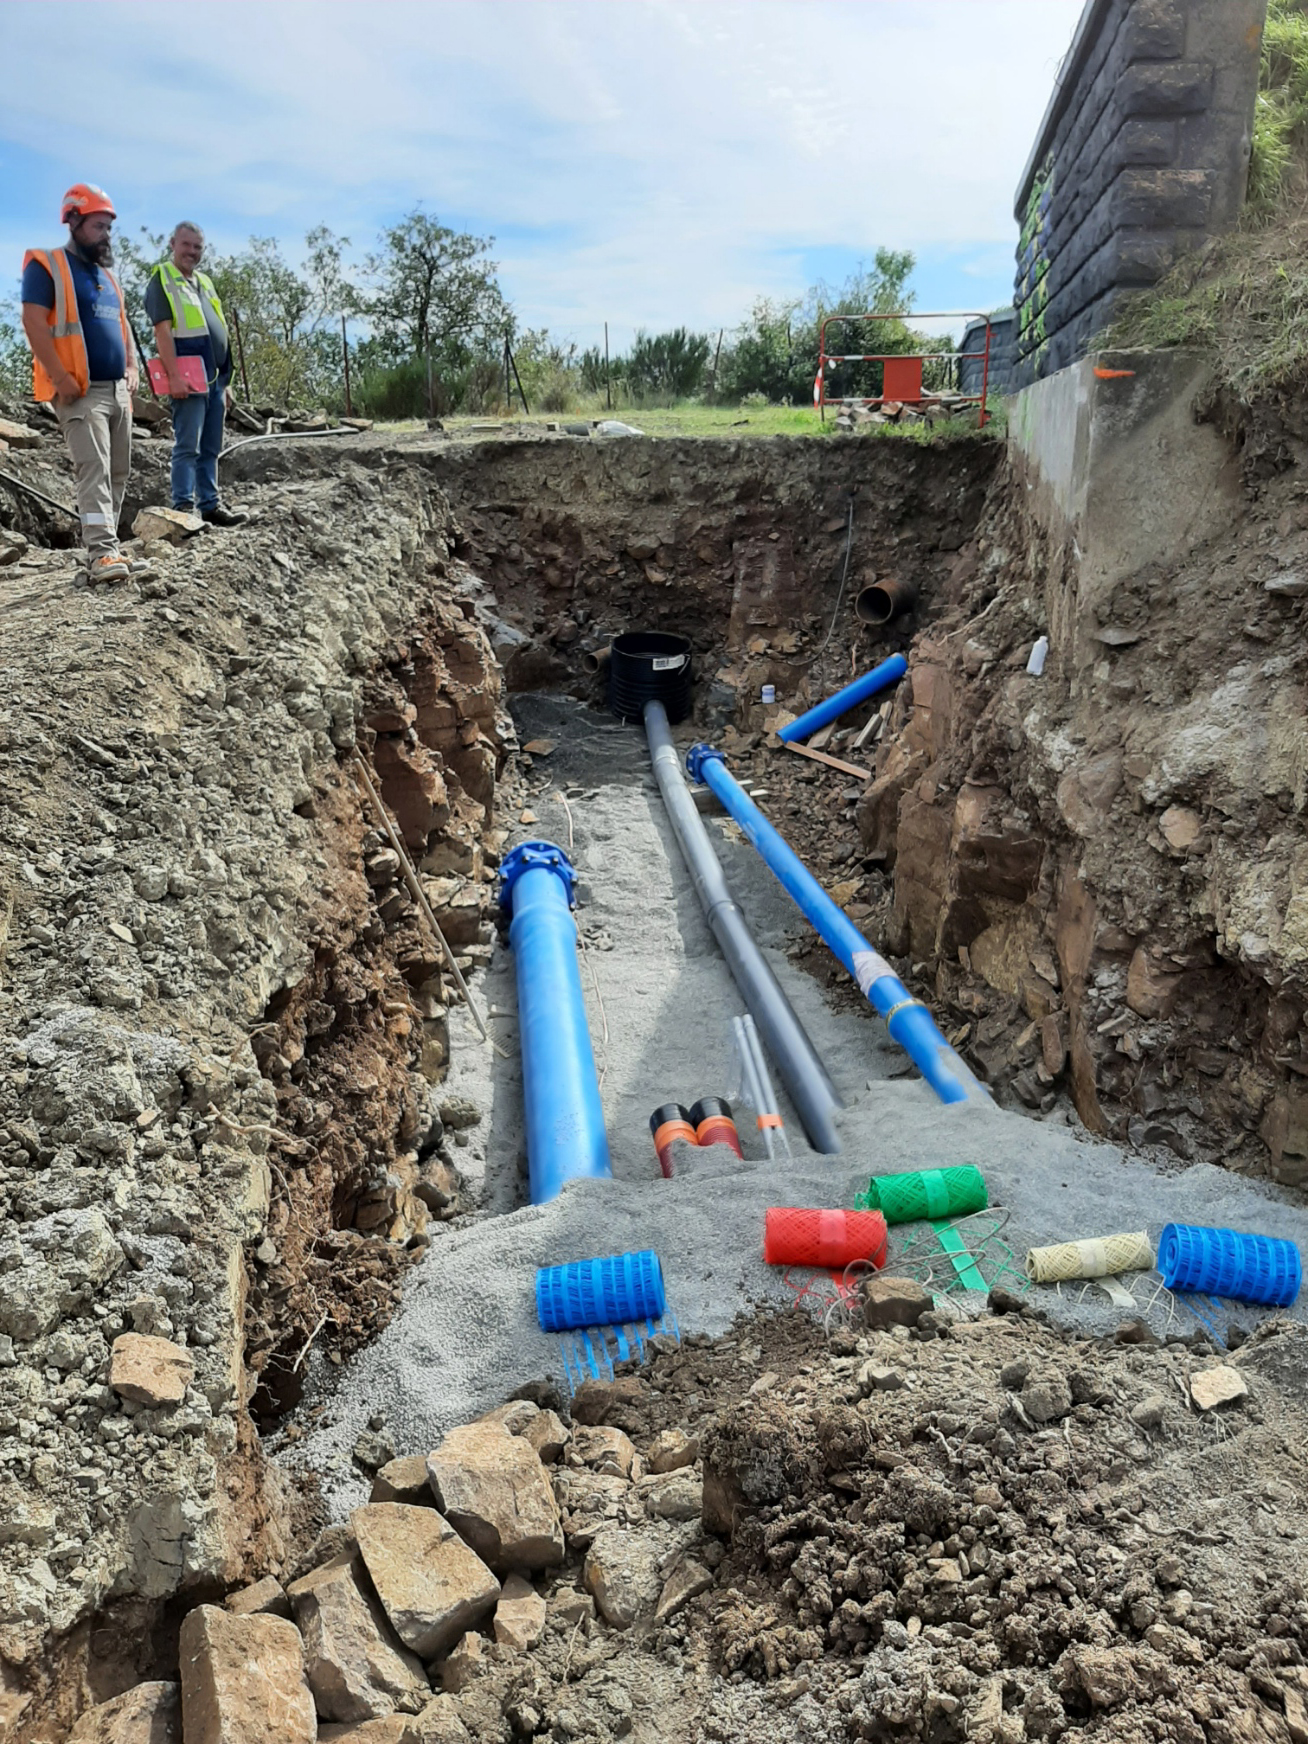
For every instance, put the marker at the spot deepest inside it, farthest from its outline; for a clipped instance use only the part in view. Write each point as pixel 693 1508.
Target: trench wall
pixel 1143 154
pixel 1103 864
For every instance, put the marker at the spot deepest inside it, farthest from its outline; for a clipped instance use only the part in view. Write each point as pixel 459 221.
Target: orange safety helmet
pixel 82 199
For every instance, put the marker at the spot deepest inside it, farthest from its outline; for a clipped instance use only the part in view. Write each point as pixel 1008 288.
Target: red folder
pixel 191 370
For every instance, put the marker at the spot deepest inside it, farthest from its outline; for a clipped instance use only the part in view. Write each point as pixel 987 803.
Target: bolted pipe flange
pixel 536 856
pixel 698 756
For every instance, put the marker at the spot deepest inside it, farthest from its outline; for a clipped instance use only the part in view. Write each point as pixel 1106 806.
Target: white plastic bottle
pixel 1035 664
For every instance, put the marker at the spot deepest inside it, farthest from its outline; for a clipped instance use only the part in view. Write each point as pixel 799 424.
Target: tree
pixel 435 291
pixel 15 358
pixel 775 352
pixel 287 318
pixel 667 365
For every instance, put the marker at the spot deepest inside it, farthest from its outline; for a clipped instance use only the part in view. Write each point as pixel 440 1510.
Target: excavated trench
pixel 324 1121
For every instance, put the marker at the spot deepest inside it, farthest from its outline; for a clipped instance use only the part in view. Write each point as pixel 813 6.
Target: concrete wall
pixel 1114 462
pixel 1142 154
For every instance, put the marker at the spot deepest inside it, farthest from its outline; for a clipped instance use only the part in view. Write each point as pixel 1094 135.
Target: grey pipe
pixel 802 1072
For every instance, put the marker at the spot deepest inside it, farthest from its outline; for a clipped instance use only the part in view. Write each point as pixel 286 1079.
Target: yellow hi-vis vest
pixel 183 296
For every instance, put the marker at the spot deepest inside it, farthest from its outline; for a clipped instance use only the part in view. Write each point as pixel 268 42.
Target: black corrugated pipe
pixel 796 1059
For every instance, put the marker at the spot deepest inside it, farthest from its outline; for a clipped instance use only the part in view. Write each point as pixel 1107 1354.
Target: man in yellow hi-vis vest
pixel 187 314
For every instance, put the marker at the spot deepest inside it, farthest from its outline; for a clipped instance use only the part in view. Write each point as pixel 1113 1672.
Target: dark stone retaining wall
pixel 1143 154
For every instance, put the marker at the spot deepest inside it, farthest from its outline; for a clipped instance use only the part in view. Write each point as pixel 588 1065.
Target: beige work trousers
pixel 98 431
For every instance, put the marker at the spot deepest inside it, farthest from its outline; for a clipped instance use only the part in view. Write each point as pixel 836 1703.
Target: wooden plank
pixel 708 803
pixel 831 762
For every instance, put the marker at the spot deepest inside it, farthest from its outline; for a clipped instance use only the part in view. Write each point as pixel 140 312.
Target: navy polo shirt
pixel 97 309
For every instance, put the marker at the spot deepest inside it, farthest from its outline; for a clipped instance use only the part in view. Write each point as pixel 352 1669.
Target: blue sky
pixel 647 162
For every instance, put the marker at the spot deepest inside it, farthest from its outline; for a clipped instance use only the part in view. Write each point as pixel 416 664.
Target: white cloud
pixel 653 160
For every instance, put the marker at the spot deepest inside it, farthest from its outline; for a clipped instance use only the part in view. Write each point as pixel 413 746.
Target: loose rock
pixel 433 1587
pixel 672 1450
pixel 492 1488
pixel 171 524
pixel 439 1723
pixel 687 1581
pixel 1210 1388
pixel 150 1371
pixel 548 1434
pixel 243 1680
pixel 267 1595
pixel 519 1615
pixel 149 1714
pixel 621 1573
pixel 390 1729
pixel 355 1668
pixel 465 1661
pixel 894 1302
pixel 1046 1396
pixel 403 1480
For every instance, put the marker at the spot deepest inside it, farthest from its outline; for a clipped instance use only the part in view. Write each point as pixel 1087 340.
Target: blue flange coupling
pixel 530 856
pixel 697 757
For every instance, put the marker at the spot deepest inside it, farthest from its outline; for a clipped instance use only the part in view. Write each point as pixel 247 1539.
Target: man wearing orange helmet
pixel 84 363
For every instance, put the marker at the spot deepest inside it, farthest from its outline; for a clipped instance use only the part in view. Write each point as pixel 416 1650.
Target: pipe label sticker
pixel 869 966
pixel 668 662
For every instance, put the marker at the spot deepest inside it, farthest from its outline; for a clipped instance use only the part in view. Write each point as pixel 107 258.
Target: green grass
pixel 1281 111
pixel 685 420
pixel 728 422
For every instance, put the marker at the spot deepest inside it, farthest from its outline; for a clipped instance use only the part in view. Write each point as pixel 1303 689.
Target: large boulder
pixel 356 1668
pixel 433 1587
pixel 494 1491
pixel 243 1680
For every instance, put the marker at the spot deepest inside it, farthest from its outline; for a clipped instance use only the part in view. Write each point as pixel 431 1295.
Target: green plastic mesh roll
pixel 925 1193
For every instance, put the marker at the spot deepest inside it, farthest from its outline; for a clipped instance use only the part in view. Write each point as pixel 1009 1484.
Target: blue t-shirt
pixel 97 309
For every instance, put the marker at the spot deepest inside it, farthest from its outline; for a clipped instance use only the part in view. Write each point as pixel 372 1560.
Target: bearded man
pixel 83 363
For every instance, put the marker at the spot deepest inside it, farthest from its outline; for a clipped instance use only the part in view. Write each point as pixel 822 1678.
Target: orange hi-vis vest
pixel 66 324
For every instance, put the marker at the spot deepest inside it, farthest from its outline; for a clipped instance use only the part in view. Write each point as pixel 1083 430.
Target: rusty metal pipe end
pixel 594 660
pixel 883 601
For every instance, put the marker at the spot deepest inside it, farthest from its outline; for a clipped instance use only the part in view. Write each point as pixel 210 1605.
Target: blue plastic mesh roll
pixel 605 1292
pixel 1222 1262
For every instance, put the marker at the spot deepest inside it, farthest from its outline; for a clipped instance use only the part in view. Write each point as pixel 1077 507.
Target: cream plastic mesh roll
pixel 1099 1256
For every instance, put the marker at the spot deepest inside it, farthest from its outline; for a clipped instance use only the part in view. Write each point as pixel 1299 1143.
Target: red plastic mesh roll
pixel 795 1236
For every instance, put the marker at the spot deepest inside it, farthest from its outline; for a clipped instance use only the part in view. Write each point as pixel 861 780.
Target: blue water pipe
pixel 566 1140
pixel 908 1020
pixel 880 678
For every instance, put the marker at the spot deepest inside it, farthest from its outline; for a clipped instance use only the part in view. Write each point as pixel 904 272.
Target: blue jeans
pixel 197 440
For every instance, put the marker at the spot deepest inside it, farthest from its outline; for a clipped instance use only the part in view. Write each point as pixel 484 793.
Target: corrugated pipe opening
pixel 649 666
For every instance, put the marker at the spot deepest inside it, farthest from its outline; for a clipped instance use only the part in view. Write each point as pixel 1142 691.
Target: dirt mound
pixel 991 1531
pixel 978 1530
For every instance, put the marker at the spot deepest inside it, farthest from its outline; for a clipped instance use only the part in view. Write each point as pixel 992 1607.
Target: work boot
pixel 221 517
pixel 112 566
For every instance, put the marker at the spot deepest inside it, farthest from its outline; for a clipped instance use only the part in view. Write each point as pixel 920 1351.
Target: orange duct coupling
pixel 668 1123
pixel 714 1123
